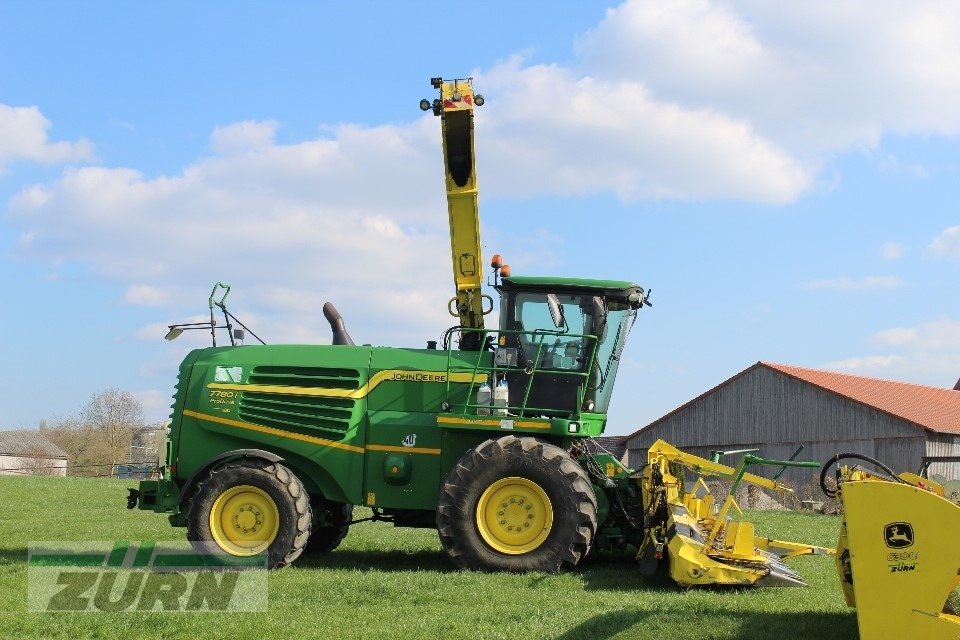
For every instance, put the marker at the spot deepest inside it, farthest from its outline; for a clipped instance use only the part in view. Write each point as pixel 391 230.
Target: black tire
pixel 565 483
pixel 325 538
pixel 278 482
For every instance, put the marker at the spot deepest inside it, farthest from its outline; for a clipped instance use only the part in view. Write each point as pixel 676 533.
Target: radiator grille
pixel 310 377
pixel 328 418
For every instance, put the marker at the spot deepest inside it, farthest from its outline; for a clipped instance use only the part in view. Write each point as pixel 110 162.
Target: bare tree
pixel 78 441
pixel 113 415
pixel 101 435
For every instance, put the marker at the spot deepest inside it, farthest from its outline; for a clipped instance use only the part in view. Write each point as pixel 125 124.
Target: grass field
pixel 386 582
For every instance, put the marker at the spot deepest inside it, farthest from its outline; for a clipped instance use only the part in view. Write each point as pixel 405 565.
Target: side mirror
pixel 556 311
pixel 599 312
pixel 239 334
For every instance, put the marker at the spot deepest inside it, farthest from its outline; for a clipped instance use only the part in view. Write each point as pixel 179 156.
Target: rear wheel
pixel 516 504
pixel 246 507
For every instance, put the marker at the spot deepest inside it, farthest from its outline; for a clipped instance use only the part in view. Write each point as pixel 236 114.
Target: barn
pixel 608 444
pixel 25 452
pixel 776 408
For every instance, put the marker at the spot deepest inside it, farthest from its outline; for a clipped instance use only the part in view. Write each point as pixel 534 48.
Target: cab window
pixel 550 347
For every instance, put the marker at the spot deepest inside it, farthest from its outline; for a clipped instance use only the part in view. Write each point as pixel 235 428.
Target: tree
pixel 113 415
pixel 101 435
pixel 37 461
pixel 79 443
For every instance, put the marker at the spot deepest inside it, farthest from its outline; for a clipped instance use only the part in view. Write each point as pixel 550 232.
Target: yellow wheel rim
pixel 514 515
pixel 244 520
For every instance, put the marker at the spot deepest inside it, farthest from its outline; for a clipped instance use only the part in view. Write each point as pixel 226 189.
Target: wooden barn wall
pixel 942 444
pixel 770 411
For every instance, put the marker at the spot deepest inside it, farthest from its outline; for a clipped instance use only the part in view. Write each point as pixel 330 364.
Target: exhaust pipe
pixel 340 335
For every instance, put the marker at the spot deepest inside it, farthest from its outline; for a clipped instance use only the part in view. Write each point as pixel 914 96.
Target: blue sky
pixel 784 178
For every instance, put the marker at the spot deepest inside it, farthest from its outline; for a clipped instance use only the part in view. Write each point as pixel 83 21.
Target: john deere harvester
pixel 482 435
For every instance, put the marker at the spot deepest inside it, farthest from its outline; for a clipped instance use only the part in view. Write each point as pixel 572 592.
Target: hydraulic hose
pixel 832 493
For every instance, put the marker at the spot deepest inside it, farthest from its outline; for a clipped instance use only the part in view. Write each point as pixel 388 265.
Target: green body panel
pixel 321 439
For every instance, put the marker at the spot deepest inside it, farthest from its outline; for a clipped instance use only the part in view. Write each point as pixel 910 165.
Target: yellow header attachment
pixel 455 108
pixel 661 450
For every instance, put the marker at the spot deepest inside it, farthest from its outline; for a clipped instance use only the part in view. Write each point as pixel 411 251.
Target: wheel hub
pixel 248 519
pixel 514 515
pixel 244 520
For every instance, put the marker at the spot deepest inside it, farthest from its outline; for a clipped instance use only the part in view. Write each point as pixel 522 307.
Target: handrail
pixel 538 336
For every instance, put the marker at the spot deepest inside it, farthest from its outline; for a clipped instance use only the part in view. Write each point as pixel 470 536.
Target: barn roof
pixel 27 443
pixel 932 408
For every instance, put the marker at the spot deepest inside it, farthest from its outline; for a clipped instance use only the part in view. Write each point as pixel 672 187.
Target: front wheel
pixel 247 507
pixel 516 504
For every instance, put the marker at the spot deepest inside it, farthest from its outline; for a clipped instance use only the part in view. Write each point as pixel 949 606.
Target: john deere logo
pixel 898 535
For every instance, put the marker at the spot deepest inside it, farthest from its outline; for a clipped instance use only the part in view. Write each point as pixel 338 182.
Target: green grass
pixel 396 583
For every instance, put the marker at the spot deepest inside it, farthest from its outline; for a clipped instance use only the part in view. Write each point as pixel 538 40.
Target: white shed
pixel 25 452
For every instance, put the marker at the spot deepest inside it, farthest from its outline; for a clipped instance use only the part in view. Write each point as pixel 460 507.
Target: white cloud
pixel 941 334
pixel 926 354
pixel 929 368
pixel 240 137
pixel 550 131
pixel 892 250
pixel 154 331
pixel 353 218
pixel 813 77
pixel 947 243
pixel 156 404
pixel 845 283
pixel 865 365
pixel 896 337
pixel 892 164
pixel 23 136
pixel 146 295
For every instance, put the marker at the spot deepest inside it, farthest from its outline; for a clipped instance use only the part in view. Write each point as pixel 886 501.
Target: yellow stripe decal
pixel 273 432
pixel 299 436
pixel 523 424
pixel 383 447
pixel 387 375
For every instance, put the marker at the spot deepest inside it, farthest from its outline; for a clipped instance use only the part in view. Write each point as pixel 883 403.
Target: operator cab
pixel 560 341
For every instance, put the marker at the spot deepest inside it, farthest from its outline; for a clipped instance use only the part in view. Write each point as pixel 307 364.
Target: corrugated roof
pixel 24 442
pixel 933 408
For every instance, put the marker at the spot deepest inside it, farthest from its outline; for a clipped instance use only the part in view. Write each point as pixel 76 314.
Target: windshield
pixel 556 348
pixel 619 321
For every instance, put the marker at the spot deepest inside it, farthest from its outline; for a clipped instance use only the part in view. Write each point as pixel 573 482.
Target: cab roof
pixel 616 288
